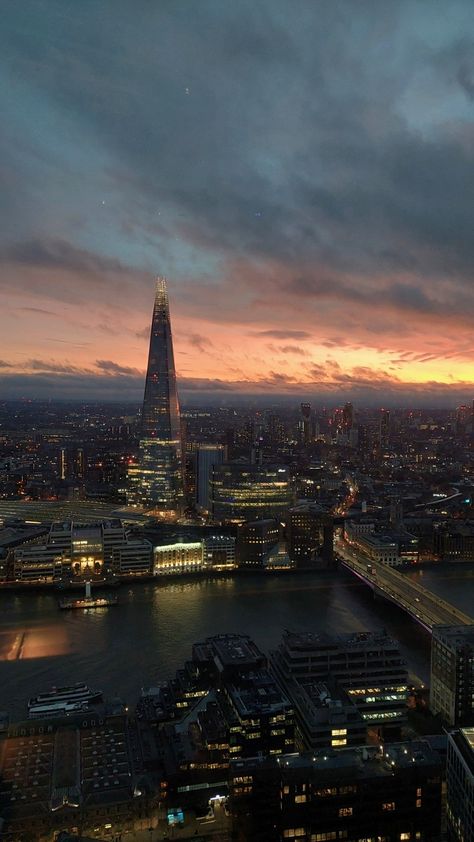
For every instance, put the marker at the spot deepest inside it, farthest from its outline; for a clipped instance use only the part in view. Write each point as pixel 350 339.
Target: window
pixel 418 802
pixel 405 836
pixel 345 811
pixel 300 799
pixel 388 806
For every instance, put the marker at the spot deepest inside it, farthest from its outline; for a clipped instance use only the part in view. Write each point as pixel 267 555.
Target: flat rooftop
pixel 363 762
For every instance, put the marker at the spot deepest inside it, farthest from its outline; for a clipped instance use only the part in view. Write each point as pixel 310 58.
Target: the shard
pixel 156 483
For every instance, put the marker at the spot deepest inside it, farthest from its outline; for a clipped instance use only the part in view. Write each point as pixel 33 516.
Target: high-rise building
pixel 156 483
pixel 460 785
pixel 207 455
pixel 347 417
pixel 255 539
pixel 384 428
pixel 452 674
pixel 305 423
pixel 63 463
pixel 310 534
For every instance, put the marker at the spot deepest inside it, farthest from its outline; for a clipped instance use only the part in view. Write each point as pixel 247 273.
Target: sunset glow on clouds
pixel 303 176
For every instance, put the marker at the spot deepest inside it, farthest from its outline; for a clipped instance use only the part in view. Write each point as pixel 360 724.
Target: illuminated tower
pixel 156 483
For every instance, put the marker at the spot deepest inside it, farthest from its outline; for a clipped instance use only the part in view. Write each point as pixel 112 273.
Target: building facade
pixel 207 456
pixel 242 492
pixel 452 674
pixel 460 785
pixel 156 482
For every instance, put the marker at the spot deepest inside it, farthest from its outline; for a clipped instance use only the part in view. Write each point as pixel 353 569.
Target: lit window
pixel 345 811
pixel 388 806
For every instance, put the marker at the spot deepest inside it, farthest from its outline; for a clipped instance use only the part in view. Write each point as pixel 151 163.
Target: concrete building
pixel 367 665
pixel 452 674
pixel 309 535
pixel 460 786
pixel 349 794
pixel 254 542
pixel 57 775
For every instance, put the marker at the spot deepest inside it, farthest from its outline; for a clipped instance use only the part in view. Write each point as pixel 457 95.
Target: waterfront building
pixel 219 552
pixel 82 550
pixel 245 492
pixel 454 541
pixel 452 674
pixel 214 552
pixel 179 557
pixel 156 482
pixel 349 794
pixel 369 666
pixel 255 540
pixel 207 456
pixel 310 534
pixel 460 786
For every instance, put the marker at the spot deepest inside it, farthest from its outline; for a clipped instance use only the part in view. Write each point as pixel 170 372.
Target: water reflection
pixel 150 634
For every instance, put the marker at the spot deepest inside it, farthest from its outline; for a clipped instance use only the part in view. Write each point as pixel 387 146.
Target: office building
pixel 310 535
pixel 255 540
pixel 349 794
pixel 367 665
pixel 156 482
pixel 452 674
pixel 219 552
pixel 82 550
pixel 259 716
pixel 241 492
pixel 207 456
pixel 305 430
pixel 384 428
pixel 326 716
pixel 63 463
pixel 460 786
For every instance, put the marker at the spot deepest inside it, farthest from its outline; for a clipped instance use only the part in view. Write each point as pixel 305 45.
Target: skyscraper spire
pixel 157 482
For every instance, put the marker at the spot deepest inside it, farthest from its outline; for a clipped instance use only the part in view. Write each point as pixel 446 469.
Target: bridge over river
pixel 422 605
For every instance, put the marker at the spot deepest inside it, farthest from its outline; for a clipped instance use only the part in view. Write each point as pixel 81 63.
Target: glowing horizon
pixel 312 216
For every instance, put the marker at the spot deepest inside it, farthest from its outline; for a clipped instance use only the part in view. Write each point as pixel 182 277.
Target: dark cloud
pixel 283 166
pixel 58 254
pixel 117 370
pixel 202 343
pixel 284 334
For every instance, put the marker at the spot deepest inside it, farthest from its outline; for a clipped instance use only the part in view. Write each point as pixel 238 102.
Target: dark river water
pixel 150 633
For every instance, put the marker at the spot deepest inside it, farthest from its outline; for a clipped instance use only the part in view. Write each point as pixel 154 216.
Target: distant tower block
pixel 156 483
pixel 305 423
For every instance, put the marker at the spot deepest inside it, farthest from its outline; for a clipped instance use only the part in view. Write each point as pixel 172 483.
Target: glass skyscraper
pixel 156 483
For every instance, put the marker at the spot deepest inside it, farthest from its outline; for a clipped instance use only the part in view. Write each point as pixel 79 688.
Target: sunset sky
pixel 302 172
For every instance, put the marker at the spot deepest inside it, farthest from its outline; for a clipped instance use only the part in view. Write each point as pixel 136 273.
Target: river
pixel 150 633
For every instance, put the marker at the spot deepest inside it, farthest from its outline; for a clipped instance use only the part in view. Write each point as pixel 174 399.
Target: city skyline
pixel 304 181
